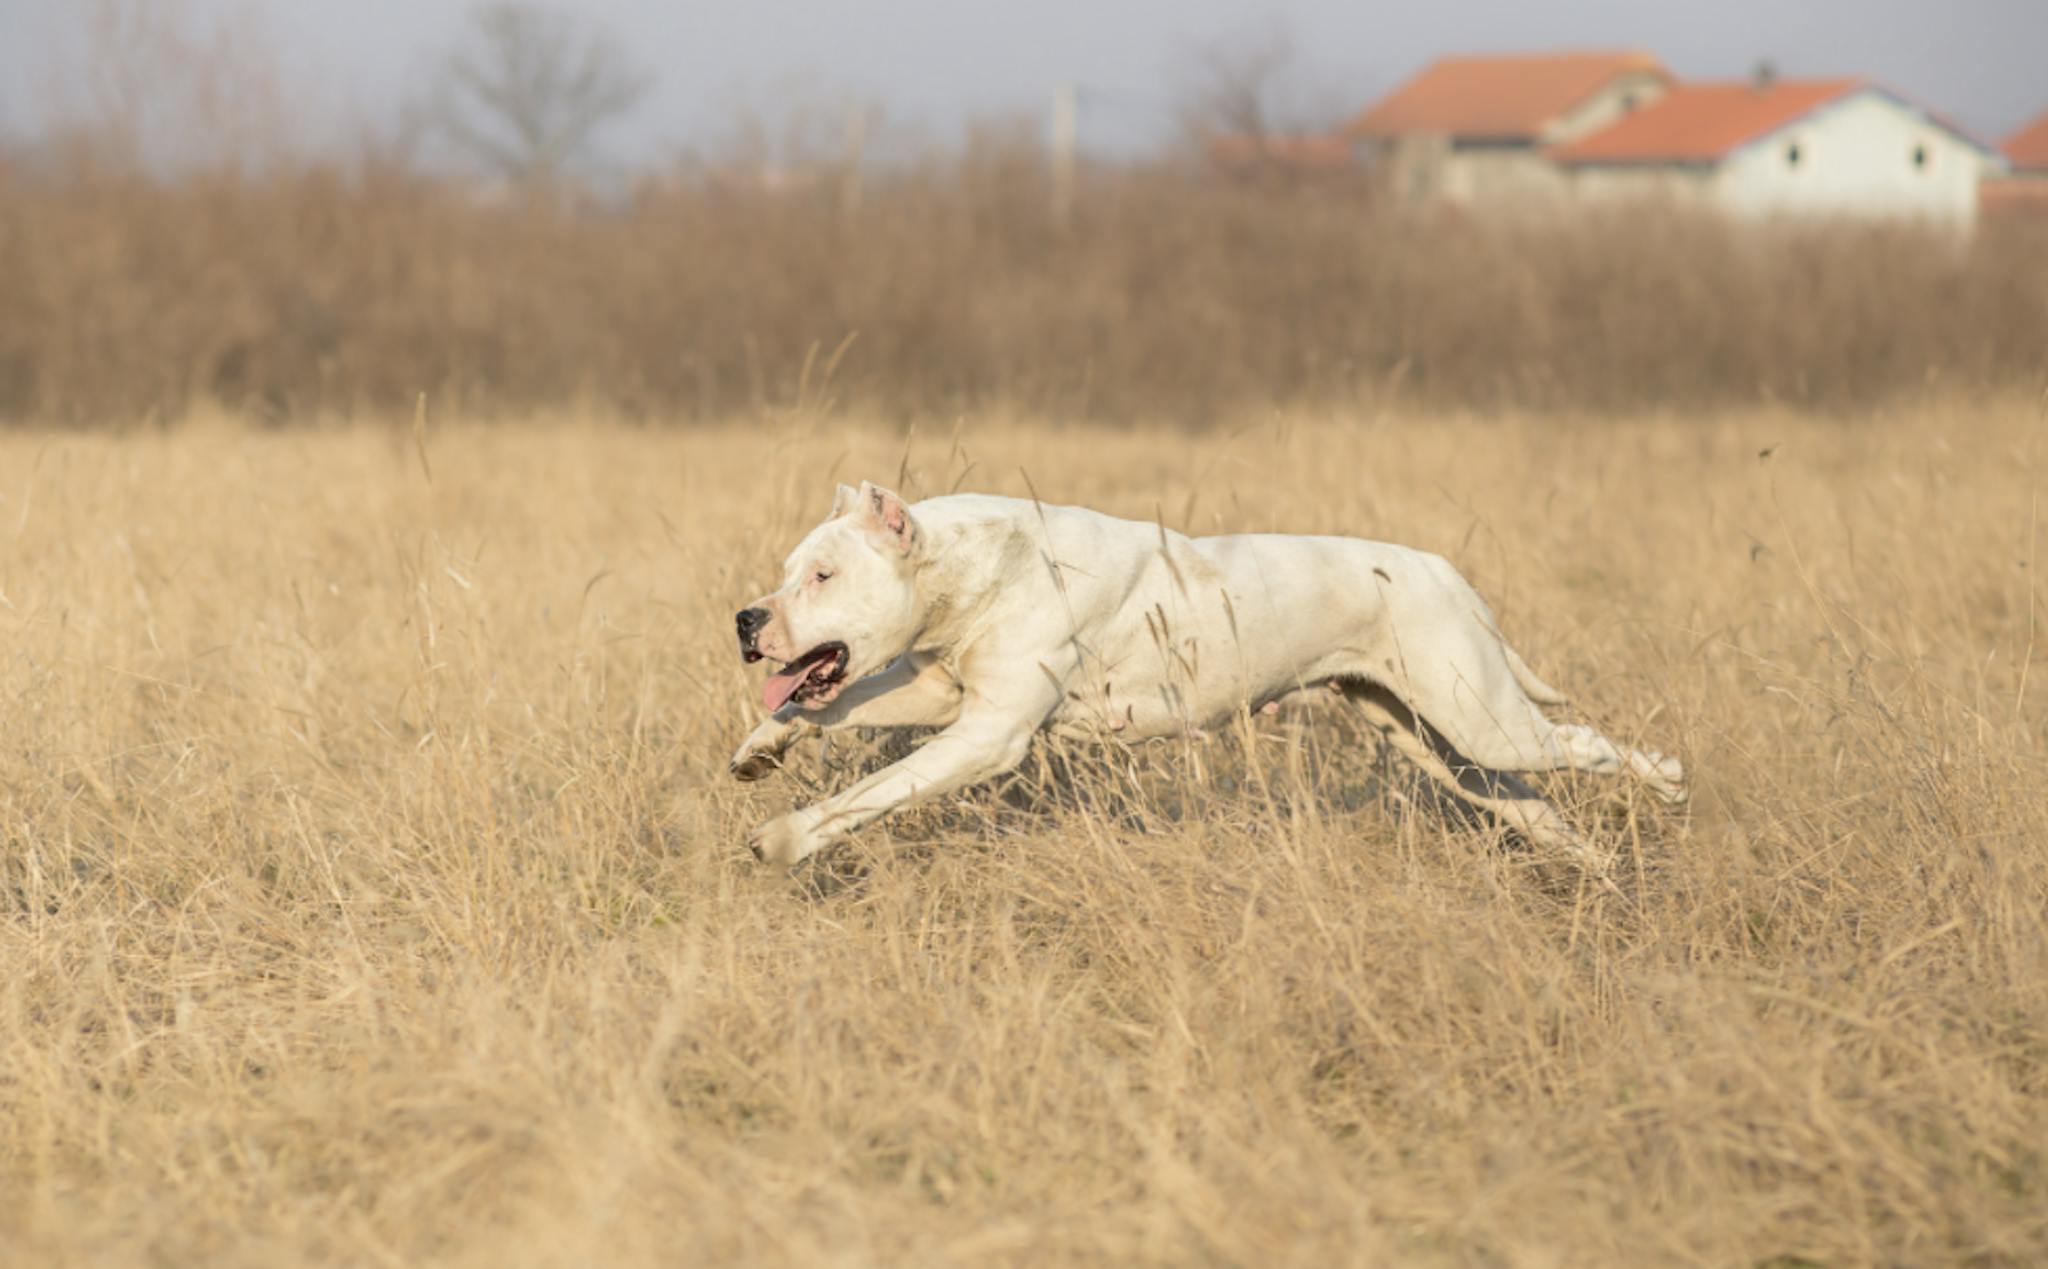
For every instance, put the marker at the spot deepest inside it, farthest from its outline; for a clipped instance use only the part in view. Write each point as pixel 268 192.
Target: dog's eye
pixel 822 575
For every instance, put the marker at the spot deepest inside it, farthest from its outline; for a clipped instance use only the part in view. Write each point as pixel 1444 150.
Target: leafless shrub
pixel 1171 297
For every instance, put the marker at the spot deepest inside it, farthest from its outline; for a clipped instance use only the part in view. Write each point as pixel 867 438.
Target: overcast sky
pixel 934 62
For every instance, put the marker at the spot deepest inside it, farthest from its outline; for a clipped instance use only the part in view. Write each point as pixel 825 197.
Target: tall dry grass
pixel 1172 298
pixel 372 893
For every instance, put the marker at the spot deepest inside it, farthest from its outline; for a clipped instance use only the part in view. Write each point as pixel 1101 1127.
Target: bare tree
pixel 528 89
pixel 1230 86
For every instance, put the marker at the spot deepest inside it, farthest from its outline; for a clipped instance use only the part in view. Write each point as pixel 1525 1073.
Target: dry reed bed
pixel 1171 299
pixel 371 893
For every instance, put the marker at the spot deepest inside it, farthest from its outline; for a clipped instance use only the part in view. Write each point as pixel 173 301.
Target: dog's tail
pixel 1536 689
pixel 1532 687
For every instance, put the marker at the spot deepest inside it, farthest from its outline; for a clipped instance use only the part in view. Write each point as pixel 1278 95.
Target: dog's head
pixel 848 604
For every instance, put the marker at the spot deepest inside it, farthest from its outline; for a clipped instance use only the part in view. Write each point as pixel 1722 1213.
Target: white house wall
pixel 1502 180
pixel 1670 184
pixel 1427 168
pixel 1855 158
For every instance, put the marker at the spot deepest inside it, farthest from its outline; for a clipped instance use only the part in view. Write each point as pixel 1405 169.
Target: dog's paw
pixel 761 752
pixel 1667 781
pixel 787 839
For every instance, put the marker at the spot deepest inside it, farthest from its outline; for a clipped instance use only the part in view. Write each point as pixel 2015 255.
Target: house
pixel 2025 190
pixel 1474 129
pixel 1766 148
pixel 2027 151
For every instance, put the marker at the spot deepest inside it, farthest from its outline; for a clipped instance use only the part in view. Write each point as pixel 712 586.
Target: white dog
pixel 998 618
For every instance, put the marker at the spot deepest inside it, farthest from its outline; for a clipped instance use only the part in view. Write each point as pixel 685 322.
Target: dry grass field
pixel 371 890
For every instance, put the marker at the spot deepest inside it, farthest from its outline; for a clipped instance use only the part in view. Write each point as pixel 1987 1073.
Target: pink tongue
pixel 782 684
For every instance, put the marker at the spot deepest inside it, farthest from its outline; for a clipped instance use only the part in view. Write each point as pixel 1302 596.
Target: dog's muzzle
pixel 749 623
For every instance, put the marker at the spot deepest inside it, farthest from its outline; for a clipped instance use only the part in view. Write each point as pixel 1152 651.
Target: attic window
pixel 1792 155
pixel 1920 157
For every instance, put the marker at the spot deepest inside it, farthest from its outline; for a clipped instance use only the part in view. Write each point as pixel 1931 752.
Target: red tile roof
pixel 1497 97
pixel 1704 122
pixel 2028 148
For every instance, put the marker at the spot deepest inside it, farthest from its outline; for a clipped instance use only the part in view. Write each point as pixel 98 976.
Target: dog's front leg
pixel 912 691
pixel 761 752
pixel 984 742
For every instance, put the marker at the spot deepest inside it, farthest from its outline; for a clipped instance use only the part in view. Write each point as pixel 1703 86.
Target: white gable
pixel 1865 154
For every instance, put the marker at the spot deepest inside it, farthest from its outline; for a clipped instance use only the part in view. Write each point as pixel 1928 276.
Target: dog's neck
pixel 961 571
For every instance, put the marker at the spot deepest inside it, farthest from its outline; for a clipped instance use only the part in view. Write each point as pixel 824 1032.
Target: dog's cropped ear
pixel 843 501
pixel 882 512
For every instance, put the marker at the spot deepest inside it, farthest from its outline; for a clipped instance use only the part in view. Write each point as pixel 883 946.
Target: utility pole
pixel 1065 121
pixel 856 145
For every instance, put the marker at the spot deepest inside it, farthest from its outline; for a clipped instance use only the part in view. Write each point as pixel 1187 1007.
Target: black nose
pixel 750 622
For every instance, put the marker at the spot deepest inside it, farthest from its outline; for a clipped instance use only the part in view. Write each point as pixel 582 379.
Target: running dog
pixel 996 619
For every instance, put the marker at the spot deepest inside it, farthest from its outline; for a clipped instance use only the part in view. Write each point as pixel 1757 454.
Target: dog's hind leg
pixel 1580 748
pixel 1496 792
pixel 1481 697
pixel 1511 734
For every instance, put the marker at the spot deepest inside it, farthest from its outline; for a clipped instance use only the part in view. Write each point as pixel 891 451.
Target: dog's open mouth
pixel 814 677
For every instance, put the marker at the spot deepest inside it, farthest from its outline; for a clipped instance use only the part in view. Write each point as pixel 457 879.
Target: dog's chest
pixel 1157 688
